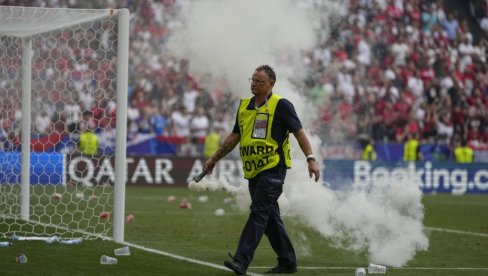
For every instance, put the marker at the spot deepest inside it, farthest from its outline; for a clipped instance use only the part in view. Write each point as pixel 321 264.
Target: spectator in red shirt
pixel 403 106
pixel 426 73
pixel 429 127
pixel 393 10
pixel 414 12
pixel 458 116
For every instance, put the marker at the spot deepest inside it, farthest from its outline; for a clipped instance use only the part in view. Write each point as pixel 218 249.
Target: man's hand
pixel 313 169
pixel 209 165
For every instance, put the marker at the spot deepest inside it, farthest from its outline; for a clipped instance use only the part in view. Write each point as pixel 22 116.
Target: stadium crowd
pixel 407 67
pixel 390 69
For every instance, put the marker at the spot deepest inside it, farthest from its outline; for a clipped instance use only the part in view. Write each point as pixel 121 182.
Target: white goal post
pixel 63 73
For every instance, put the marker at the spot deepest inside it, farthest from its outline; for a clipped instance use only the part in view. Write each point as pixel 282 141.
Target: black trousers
pixel 265 189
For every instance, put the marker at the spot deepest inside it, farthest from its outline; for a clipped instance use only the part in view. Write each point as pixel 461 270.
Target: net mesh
pixel 74 60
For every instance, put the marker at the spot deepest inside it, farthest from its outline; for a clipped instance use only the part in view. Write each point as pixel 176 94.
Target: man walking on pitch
pixel 262 126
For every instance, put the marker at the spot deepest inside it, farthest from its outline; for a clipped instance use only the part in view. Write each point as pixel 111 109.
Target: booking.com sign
pixel 442 177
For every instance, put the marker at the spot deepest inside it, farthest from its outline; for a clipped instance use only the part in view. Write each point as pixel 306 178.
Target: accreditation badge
pixel 260 128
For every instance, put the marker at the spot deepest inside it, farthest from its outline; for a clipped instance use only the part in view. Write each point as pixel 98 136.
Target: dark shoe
pixel 235 266
pixel 282 269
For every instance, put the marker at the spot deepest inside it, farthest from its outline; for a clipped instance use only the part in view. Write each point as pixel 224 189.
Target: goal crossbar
pixel 28 21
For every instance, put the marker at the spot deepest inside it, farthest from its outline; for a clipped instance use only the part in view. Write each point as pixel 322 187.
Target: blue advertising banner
pixel 431 177
pixel 45 168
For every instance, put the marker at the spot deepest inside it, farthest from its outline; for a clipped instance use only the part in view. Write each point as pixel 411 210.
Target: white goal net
pixel 63 106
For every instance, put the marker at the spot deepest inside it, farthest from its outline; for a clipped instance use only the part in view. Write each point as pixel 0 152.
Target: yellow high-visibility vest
pixel 410 150
pixel 259 151
pixel 88 143
pixel 369 153
pixel 212 143
pixel 464 154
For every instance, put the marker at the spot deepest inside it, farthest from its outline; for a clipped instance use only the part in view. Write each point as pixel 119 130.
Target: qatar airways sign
pixel 148 170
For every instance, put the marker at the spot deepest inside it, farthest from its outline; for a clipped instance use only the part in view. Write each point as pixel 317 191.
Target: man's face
pixel 261 84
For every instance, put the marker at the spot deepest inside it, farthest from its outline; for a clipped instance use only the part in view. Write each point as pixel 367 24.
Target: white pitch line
pixel 167 254
pixel 391 268
pixel 171 255
pixel 457 231
pixel 439 268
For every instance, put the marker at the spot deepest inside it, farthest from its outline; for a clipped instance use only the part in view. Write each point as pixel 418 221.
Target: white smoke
pixel 384 220
pixel 229 39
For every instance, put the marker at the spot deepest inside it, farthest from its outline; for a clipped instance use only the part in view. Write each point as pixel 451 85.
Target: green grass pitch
pixel 199 235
